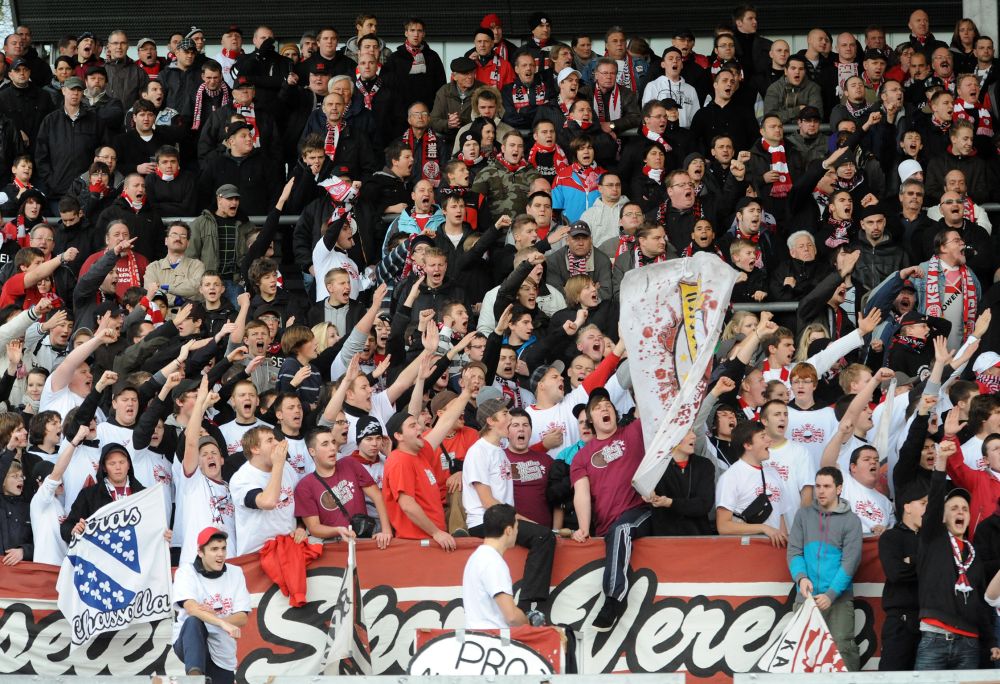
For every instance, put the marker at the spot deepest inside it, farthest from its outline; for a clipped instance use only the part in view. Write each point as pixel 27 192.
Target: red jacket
pixel 984 487
pixel 285 563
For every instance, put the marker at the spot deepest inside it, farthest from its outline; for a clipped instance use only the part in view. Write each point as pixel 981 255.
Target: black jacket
pixel 178 197
pixel 15 515
pixel 733 120
pixel 257 177
pixel 693 492
pixel 65 148
pixel 269 72
pixel 92 498
pixel 412 88
pixel 181 87
pixel 133 150
pixel 11 145
pixel 908 468
pixel 937 574
pixel 897 551
pixel 85 295
pixel 27 107
pixel 146 225
pixel 83 235
pixel 213 132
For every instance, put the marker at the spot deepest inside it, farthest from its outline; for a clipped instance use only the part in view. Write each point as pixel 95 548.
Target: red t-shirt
pixel 610 464
pixel 411 474
pixel 530 472
pixel 347 482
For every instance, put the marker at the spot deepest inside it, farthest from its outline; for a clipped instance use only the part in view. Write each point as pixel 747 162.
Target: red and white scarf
pixel 980 116
pixel 627 76
pixel 469 162
pixel 134 204
pixel 969 210
pixel 840 232
pixel 231 54
pixel 521 94
pixel 199 102
pixel 513 168
pixel 559 160
pixel 962 566
pixel 430 154
pixel 689 251
pixel 494 75
pixel 577 265
pixel 655 137
pixel 162 176
pixel 755 239
pixel 988 384
pixel 613 110
pixel 249 113
pixel 332 139
pixel 933 306
pixel 779 162
pixel 785 371
pixel 589 175
pixel 655 175
pixel 22 186
pixel 750 412
pixel 368 91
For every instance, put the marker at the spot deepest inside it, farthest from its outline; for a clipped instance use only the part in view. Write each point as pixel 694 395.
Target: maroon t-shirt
pixel 530 472
pixel 347 482
pixel 610 464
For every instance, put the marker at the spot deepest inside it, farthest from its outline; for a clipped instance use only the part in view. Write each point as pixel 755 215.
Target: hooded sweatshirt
pixel 825 546
pixel 97 495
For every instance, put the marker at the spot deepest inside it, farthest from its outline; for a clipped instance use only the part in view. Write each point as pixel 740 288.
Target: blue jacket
pixel 826 548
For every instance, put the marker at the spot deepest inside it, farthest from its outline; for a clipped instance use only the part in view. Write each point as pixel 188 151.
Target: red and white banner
pixel 805 645
pixel 708 606
pixel 517 651
pixel 672 315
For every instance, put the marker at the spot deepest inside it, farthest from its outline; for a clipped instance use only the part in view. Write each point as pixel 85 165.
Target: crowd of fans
pixel 437 333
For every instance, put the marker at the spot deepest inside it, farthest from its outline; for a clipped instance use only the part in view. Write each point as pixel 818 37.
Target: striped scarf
pixel 199 102
pixel 979 116
pixel 779 163
pixel 968 293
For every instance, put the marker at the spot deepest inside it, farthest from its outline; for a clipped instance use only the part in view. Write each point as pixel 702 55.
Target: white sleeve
pixel 185 586
pixel 824 360
pixel 497 579
pixel 238 488
pixel 725 491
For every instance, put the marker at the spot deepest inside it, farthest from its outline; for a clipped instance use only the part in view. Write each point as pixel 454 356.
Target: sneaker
pixel 610 612
pixel 460 532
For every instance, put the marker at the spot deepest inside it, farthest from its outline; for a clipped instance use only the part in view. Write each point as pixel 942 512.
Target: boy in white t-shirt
pixel 744 482
pixel 871 506
pixel 788 460
pixel 486 481
pixel 212 605
pixel 263 492
pixel 48 510
pixel 487 588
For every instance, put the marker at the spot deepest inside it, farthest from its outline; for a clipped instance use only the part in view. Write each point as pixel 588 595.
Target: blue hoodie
pixel 825 546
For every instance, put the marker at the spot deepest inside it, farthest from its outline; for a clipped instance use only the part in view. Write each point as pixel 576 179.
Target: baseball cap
pixel 97 70
pixel 985 361
pixel 746 202
pixel 144 41
pixel 183 387
pixel 187 45
pixel 669 103
pixel 906 379
pixel 123 386
pixel 208 440
pixel 489 408
pixel 227 191
pixel 912 318
pixel 20 62
pixel 108 308
pixel 911 492
pixel 491 393
pixel 395 423
pixel 368 426
pixel 442 399
pixel 539 373
pixel 242 81
pixel 596 395
pixel 809 113
pixel 235 127
pixel 210 533
pixel 266 308
pixel 566 72
pixel 871 53
pixel 318 67
pixel 578 228
pixel 73 83
pixel 958 491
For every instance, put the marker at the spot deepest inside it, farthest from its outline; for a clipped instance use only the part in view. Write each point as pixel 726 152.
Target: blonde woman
pixel 742 323
pixel 811 333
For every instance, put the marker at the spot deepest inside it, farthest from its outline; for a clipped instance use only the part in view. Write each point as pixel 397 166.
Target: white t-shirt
pixel 812 429
pixel 844 458
pixel 207 503
pixel 972 454
pixel 382 410
pixel 63 401
pixel 233 432
pixel 253 525
pixel 741 484
pixel 559 416
pixel 488 465
pixel 47 514
pixel 871 506
pixel 80 473
pixel 793 466
pixel 227 594
pixel 299 458
pixel 151 468
pixel 486 575
pixel 115 434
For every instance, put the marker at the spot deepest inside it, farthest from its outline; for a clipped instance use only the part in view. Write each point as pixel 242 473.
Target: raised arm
pixel 192 432
pixel 446 422
pixel 47 268
pixel 67 453
pixel 62 375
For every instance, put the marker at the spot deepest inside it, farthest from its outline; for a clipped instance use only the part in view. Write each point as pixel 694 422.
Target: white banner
pixel 805 645
pixel 117 573
pixel 347 638
pixel 671 317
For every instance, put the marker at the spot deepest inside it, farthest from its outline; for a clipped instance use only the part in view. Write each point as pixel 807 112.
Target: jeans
pixel 946 652
pixel 232 292
pixel 191 648
pixel 900 638
pixel 840 619
pixel 631 525
pixel 541 545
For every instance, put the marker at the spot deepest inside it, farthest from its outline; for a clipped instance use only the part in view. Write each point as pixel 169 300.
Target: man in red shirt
pixel 602 485
pixel 22 288
pixel 411 492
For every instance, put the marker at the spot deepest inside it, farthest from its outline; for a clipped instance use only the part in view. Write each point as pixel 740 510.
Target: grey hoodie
pixel 825 546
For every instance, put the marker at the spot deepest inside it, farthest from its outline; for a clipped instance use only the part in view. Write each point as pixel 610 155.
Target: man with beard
pixel 528 92
pixel 507 179
pixel 881 255
pixel 789 95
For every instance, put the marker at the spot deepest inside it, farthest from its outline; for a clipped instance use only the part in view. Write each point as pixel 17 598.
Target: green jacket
pixel 204 242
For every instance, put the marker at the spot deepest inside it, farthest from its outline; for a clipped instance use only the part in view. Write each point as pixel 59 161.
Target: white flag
pixel 805 645
pixel 347 638
pixel 118 571
pixel 671 317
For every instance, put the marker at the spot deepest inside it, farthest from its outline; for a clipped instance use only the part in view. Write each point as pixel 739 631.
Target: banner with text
pixel 709 606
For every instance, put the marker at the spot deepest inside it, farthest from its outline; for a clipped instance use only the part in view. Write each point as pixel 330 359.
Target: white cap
pixel 565 73
pixel 908 168
pixel 985 361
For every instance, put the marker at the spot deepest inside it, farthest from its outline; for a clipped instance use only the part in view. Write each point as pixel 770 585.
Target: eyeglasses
pixel 420 115
pixel 682 185
pixel 341 422
pixel 633 214
pixel 270 319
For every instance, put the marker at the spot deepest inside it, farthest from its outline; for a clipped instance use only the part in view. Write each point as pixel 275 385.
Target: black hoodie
pixel 15 515
pixel 92 498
